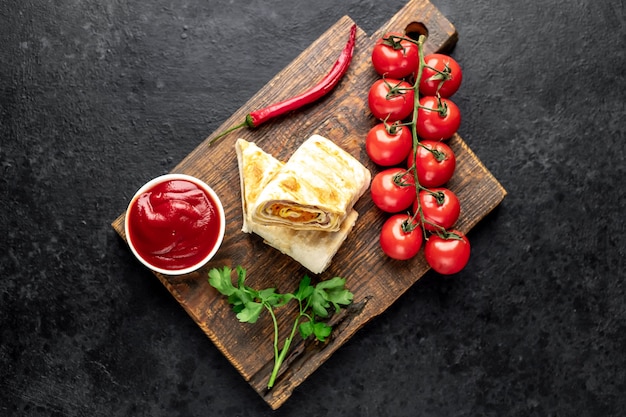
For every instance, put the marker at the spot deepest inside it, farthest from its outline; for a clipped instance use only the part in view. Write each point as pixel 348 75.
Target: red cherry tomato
pixel 388 145
pixel 435 163
pixel 437 119
pixel 395 57
pixel 388 195
pixel 442 74
pixel 440 207
pixel 390 99
pixel 399 238
pixel 447 253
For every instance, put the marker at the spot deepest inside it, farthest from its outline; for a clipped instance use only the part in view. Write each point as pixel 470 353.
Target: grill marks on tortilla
pixel 320 181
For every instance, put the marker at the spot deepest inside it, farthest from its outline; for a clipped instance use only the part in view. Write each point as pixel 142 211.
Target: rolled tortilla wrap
pixel 312 249
pixel 315 189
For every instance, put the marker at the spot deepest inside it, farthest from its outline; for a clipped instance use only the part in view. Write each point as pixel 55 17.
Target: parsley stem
pixel 275 322
pixel 283 353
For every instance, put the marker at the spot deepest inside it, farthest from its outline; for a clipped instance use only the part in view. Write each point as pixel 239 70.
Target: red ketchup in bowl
pixel 174 224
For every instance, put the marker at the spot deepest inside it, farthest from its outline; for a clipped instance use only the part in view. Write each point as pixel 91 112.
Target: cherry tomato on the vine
pixel 447 253
pixel 435 163
pixel 395 57
pixel 440 208
pixel 442 74
pixel 437 118
pixel 388 145
pixel 400 238
pixel 391 99
pixel 388 195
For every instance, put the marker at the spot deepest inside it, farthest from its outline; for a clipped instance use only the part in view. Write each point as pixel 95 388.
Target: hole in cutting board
pixel 415 29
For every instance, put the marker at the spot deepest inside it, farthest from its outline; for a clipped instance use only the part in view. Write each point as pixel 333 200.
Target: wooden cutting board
pixel 343 117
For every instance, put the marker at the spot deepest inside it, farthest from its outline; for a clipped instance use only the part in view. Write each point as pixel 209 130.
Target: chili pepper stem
pixel 249 122
pixel 226 132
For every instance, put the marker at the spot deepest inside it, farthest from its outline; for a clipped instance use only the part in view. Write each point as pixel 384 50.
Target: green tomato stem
pixel 420 45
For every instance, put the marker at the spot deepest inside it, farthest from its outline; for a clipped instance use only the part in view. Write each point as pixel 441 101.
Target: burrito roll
pixel 312 249
pixel 315 189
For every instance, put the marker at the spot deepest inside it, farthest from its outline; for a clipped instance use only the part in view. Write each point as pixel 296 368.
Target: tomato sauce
pixel 174 225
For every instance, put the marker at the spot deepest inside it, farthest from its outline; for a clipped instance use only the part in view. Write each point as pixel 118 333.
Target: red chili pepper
pixel 311 95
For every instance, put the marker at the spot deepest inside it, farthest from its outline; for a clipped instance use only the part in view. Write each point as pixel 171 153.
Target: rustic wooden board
pixel 376 281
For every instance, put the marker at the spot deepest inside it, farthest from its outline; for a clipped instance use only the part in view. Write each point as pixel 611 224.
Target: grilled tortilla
pixel 312 249
pixel 315 189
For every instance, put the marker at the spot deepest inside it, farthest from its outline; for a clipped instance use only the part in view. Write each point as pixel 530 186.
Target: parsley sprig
pixel 314 301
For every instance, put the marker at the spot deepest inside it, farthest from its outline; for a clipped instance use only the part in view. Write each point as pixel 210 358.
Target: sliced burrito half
pixel 256 169
pixel 312 249
pixel 315 189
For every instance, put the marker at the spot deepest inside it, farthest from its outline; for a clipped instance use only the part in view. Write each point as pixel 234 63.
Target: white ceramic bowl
pixel 140 235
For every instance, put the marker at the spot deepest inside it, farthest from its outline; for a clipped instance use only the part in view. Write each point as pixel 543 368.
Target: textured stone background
pixel 96 97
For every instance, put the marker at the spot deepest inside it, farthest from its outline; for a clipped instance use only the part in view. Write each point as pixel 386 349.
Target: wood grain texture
pixel 376 280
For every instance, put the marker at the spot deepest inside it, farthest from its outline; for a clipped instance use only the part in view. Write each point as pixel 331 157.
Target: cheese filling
pixel 294 213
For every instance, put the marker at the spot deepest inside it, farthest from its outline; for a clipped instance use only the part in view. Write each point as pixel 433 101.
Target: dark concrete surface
pixel 97 97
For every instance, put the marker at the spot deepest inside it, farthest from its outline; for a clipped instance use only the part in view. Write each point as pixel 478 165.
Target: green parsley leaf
pixel 319 303
pixel 338 298
pixel 321 331
pixel 304 289
pixel 329 292
pixel 220 280
pixel 306 329
pixel 336 283
pixel 251 312
pixel 241 276
pixel 269 296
